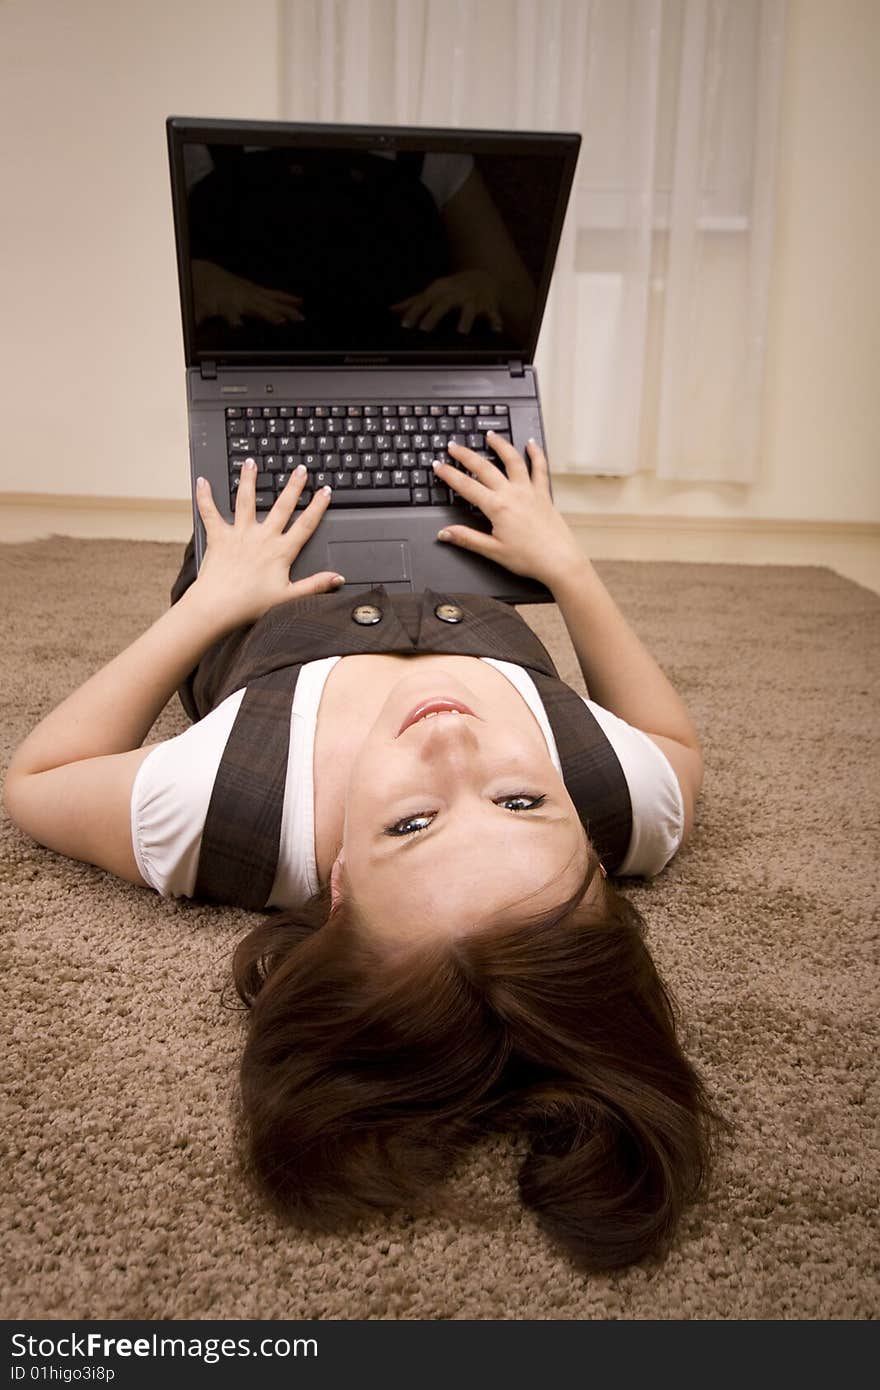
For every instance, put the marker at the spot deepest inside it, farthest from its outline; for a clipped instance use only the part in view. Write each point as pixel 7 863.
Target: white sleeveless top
pixel 173 786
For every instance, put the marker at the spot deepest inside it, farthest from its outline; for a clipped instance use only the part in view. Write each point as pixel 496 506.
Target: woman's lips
pixel 429 707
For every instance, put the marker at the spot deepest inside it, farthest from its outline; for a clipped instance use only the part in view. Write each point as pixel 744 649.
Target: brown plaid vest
pixel 240 842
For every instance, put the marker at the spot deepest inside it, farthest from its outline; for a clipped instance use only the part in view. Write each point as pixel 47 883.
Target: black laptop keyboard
pixel 371 455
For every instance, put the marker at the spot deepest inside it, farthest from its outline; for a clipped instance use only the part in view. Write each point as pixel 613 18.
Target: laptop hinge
pixel 516 368
pixel 209 371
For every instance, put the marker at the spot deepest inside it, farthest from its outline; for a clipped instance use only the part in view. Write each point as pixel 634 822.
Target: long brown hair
pixel 368 1072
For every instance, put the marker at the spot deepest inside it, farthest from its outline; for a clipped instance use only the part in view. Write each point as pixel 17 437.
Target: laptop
pixel 354 298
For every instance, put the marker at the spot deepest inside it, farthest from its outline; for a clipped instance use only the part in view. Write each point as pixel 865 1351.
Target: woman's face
pixel 455 817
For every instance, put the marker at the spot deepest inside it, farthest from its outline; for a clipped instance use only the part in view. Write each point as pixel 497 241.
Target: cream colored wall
pixel 90 290
pixel 92 361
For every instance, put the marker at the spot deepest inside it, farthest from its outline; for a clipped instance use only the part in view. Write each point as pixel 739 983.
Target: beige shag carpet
pixel 119 1060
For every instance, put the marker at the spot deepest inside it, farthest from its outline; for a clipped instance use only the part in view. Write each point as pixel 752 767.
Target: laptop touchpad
pixel 373 562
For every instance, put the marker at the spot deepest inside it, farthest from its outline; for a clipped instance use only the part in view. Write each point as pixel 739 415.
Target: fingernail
pixel 438 463
pixel 326 489
pixel 300 469
pixel 339 579
pixel 443 535
pixel 249 463
pixel 200 482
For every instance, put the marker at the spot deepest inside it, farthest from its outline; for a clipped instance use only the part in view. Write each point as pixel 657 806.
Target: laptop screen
pixel 310 243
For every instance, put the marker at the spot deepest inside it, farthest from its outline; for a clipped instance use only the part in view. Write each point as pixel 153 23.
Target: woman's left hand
pixel 246 568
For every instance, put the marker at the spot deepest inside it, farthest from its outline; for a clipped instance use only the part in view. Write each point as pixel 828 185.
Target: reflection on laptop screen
pixel 302 250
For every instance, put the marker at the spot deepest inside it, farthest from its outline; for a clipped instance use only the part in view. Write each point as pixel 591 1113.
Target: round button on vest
pixel 366 614
pixel 449 612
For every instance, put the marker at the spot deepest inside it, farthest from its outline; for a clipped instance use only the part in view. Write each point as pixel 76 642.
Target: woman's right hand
pixel 529 536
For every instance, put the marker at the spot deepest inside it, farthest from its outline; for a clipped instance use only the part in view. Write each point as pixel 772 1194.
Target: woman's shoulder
pixel 170 797
pixel 660 812
pixel 661 816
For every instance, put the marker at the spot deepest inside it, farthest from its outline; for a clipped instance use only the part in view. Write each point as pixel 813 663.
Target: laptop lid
pixel 302 244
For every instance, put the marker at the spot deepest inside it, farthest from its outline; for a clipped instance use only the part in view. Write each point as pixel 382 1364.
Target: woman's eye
pixel 411 825
pixel 532 802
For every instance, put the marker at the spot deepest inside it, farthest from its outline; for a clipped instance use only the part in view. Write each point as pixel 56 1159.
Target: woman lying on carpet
pixel 432 815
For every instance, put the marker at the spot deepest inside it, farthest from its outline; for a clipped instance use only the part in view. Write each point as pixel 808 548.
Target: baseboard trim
pixel 749 525
pixel 84 502
pixel 28 516
pixel 617 521
pixel 850 547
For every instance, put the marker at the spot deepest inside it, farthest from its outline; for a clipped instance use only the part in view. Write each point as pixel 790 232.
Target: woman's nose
pixel 447 736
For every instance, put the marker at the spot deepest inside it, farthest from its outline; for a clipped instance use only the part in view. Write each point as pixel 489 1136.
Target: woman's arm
pixel 116 708
pixel 530 537
pixel 82 810
pixel 69 783
pixel 620 673
pixel 246 571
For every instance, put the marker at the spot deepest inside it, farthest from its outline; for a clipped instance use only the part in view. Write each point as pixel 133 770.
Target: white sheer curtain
pixel 651 353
